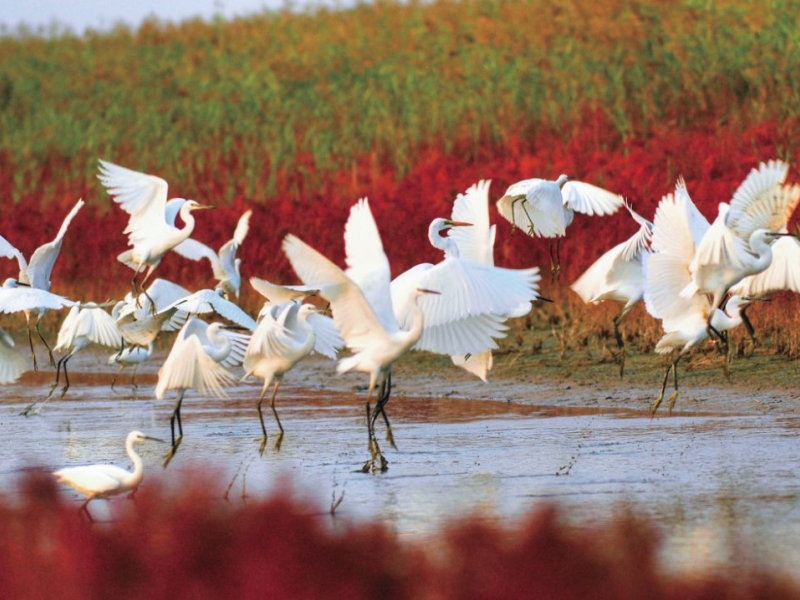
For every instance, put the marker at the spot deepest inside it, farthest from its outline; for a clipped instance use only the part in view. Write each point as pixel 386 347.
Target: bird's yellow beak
pixel 458 223
pixel 424 291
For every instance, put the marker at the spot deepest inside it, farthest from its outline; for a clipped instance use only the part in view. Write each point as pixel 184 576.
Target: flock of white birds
pixel 696 277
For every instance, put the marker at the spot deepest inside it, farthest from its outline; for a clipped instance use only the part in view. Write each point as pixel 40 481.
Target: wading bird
pixel 36 274
pixel 738 243
pixel 130 355
pixel 285 335
pixel 475 297
pixel 361 303
pixel 545 208
pixel 225 266
pixel 103 481
pixel 618 275
pixel 151 230
pixel 197 361
pixel 678 229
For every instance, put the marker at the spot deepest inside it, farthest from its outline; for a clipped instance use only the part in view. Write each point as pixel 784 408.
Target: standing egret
pixel 36 273
pixel 678 229
pixel 84 325
pixel 284 336
pixel 224 265
pixel 361 303
pixel 738 243
pixel 618 275
pixel 102 481
pixel 545 208
pixel 130 355
pixel 12 363
pixel 475 298
pixel 151 230
pixel 197 361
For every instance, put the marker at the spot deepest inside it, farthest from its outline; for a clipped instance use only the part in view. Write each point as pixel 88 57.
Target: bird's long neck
pixel 221 348
pixel 188 223
pixel 417 323
pixel 138 466
pixel 763 252
pixel 443 243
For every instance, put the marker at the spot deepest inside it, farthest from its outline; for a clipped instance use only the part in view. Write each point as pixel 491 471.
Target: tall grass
pixel 316 92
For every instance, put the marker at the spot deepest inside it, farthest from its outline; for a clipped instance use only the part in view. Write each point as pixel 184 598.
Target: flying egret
pixel 225 265
pixel 285 335
pixel 476 297
pixel 278 294
pixel 36 273
pixel 130 355
pixel 207 301
pixel 151 230
pixel 678 229
pixel 12 363
pixel 361 303
pixel 618 275
pixel 102 481
pixel 545 208
pixel 738 242
pixel 198 361
pixel 140 320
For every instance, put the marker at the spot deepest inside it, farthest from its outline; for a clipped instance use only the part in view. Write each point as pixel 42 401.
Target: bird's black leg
pixel 385 393
pixel 176 416
pixel 279 438
pixel 33 352
pixel 66 374
pixel 44 341
pixel 261 419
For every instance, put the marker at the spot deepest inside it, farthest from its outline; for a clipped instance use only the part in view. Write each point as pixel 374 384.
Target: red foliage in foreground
pixel 195 546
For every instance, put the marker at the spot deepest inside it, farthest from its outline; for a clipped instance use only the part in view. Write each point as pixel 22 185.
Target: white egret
pixel 475 298
pixel 361 303
pixel 207 301
pixel 140 320
pixel 12 363
pixel 151 230
pixel 36 273
pixel 783 273
pixel 678 229
pixel 197 361
pixel 618 275
pixel 738 243
pixel 284 336
pixel 130 355
pixel 84 325
pixel 225 266
pixel 103 481
pixel 278 294
pixel 545 208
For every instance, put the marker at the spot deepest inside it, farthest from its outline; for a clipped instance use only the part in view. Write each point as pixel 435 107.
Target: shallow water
pixel 721 488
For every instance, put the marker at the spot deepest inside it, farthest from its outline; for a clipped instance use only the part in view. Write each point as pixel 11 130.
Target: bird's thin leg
pixel 674 395
pixel 58 375
pixel 370 445
pixel 33 352
pixel 44 341
pixel 144 289
pixel 385 392
pixel 657 402
pixel 85 508
pixel 749 327
pixel 275 414
pixel 552 261
pixel 114 379
pixel 66 374
pixel 133 377
pixel 558 258
pixel 176 416
pixel 261 419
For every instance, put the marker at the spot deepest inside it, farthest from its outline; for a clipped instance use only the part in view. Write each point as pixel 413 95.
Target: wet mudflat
pixel 717 485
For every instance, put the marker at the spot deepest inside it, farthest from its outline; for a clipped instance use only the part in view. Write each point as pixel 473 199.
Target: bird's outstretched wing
pixel 100 327
pixel 227 252
pixel 41 264
pixel 367 264
pixel 7 250
pixel 589 199
pixel 783 272
pixel 352 313
pixel 12 363
pixel 17 299
pixel 206 301
pixel 142 196
pixel 762 201
pixel 475 242
pixel 526 205
pixel 278 294
pixel 189 367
